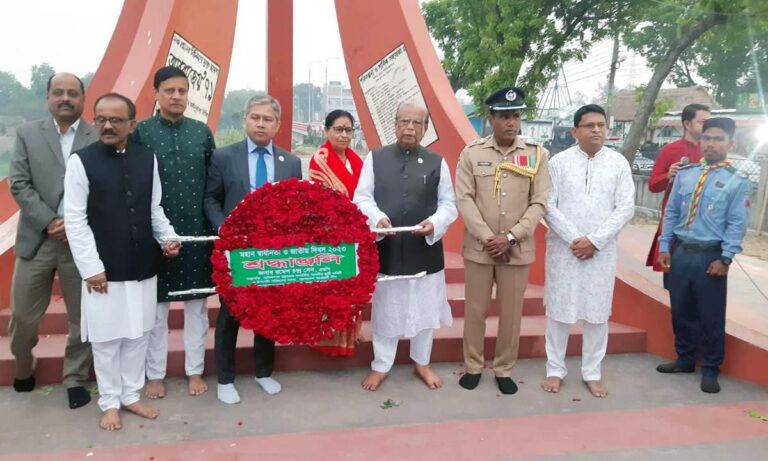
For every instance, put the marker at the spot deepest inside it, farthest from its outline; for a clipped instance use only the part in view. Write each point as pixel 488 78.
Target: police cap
pixel 510 98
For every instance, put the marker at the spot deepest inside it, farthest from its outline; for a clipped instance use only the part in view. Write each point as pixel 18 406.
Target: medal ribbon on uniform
pixel 693 205
pixel 524 165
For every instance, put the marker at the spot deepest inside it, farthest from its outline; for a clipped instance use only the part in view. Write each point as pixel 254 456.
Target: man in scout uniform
pixel 704 224
pixel 502 183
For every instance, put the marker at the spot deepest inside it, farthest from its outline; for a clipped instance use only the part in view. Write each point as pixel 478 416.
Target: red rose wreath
pixel 294 213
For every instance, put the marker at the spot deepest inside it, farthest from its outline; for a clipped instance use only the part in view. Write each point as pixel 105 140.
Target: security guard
pixel 502 183
pixel 704 224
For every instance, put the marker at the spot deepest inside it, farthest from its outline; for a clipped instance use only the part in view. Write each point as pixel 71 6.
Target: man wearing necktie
pixel 237 170
pixel 704 223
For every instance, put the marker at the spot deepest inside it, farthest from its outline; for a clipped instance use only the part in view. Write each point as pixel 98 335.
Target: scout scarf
pixel 693 205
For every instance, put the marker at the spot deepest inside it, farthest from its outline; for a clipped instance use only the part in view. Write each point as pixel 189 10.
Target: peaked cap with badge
pixel 509 98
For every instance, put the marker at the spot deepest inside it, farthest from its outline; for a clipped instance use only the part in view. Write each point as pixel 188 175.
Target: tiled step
pixel 447 348
pixel 55 319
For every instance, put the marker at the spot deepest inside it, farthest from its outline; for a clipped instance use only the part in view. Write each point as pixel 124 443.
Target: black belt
pixel 701 247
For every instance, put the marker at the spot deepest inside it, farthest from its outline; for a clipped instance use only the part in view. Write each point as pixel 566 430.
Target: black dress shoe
pixel 673 367
pixel 78 397
pixel 469 381
pixel 506 385
pixel 24 385
pixel 710 385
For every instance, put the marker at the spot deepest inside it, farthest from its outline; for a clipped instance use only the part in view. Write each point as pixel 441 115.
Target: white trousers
pixel 119 366
pixel 594 344
pixel 195 332
pixel 385 348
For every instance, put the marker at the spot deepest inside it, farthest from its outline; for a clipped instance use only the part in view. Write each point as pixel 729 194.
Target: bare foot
pixel 144 410
pixel 373 380
pixel 430 378
pixel 155 389
pixel 551 384
pixel 597 388
pixel 110 420
pixel 197 385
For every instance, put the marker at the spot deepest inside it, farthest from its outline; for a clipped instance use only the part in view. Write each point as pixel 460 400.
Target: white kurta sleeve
pixel 161 226
pixel 364 195
pixel 555 218
pixel 624 208
pixel 79 234
pixel 446 206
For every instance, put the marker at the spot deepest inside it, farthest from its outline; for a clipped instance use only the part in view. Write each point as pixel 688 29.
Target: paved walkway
pixel 325 415
pixel 747 312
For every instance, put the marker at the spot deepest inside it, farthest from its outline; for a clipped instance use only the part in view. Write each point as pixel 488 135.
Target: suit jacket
pixel 37 178
pixel 229 179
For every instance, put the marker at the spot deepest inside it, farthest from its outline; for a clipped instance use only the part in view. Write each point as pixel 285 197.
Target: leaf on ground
pixel 389 403
pixel 45 390
pixel 93 390
pixel 756 415
pixel 576 399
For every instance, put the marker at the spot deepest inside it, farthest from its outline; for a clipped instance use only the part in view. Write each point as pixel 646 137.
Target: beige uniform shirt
pixel 516 206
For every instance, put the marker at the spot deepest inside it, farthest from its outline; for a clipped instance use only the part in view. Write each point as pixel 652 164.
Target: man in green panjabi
pixel 183 148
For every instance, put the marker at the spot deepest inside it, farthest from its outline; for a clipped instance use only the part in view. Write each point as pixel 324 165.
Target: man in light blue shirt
pixel 227 184
pixel 704 223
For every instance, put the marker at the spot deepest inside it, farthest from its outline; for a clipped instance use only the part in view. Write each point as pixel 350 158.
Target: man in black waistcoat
pixel 404 184
pixel 114 223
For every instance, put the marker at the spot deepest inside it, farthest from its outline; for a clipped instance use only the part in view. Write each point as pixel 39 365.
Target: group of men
pixel 130 189
pixel 98 205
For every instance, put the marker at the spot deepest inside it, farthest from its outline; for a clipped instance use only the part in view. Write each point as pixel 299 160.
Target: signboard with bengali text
pixel 314 262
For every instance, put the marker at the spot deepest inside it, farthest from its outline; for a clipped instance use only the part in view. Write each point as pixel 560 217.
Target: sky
pixel 72 35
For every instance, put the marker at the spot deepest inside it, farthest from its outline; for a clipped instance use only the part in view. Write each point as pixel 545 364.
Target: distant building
pixel 625 104
pixel 339 97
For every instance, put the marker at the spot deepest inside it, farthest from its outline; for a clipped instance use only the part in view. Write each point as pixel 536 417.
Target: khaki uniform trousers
pixel 510 291
pixel 30 296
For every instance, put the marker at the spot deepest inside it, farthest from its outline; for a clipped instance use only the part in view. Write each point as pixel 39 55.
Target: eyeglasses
pixel 592 126
pixel 706 138
pixel 407 121
pixel 114 121
pixel 343 129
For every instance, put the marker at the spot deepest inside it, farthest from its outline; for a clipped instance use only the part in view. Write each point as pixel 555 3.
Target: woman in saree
pixel 338 167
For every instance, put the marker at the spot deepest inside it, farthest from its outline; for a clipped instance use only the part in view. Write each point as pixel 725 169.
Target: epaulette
pixel 690 165
pixel 531 142
pixel 479 141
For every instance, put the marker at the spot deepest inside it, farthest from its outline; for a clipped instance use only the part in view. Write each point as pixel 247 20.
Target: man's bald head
pixel 410 124
pixel 65 97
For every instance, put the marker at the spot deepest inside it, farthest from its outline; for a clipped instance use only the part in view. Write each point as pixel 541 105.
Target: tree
pixel 87 79
pixel 487 43
pixel 38 81
pixel 671 28
pixel 660 107
pixel 233 109
pixel 11 93
pixel 307 101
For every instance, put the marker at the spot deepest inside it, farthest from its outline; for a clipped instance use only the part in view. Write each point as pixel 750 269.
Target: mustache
pixel 106 132
pixel 66 104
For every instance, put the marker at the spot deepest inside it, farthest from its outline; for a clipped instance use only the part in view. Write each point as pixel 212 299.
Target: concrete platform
pixel 447 348
pixel 55 319
pixel 326 415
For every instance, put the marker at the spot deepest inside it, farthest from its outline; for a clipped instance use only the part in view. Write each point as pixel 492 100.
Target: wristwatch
pixel 511 239
pixel 725 260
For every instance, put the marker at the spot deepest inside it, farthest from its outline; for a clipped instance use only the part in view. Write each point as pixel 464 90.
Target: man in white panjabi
pixel 404 184
pixel 591 200
pixel 114 222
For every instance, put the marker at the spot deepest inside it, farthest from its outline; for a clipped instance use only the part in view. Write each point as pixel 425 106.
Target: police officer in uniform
pixel 502 184
pixel 704 224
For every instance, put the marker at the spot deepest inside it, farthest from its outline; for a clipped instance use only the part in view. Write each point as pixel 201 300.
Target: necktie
pixel 261 167
pixel 693 205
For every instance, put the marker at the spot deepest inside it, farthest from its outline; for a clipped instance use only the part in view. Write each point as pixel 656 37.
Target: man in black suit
pixel 235 171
